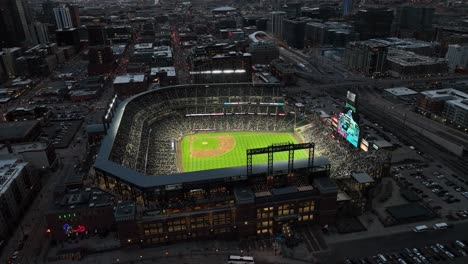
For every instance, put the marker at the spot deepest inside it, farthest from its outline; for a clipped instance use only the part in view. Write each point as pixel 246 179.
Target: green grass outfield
pixel 237 155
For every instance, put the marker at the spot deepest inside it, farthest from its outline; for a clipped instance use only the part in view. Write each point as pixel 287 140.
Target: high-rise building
pixel 67 37
pixel 276 23
pixel 7 62
pixel 451 104
pixel 292 9
pixel 14 29
pixel 101 60
pixel 16 193
pixel 457 57
pixel 337 34
pixel 263 52
pixel 374 23
pixel 366 56
pixel 97 35
pixel 74 15
pixel 48 11
pixel 39 33
pixel 348 7
pixel 294 32
pixel 413 19
pixel 63 18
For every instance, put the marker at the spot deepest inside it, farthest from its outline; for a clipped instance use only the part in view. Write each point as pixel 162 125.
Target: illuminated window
pixel 266 212
pixel 307 207
pixel 285 209
pixel 265 231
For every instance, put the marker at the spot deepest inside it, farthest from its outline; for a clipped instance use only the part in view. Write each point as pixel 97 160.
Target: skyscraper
pixel 101 59
pixel 414 22
pixel 63 18
pixel 276 22
pixel 374 23
pixel 348 6
pixel 48 11
pixel 97 35
pixel 294 32
pixel 75 15
pixel 39 33
pixel 14 30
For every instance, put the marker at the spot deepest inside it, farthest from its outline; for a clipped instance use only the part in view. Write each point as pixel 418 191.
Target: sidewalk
pixel 377 230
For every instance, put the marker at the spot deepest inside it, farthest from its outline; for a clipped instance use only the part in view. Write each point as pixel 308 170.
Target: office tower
pixel 348 6
pixel 14 30
pixel 336 34
pixel 48 12
pixel 292 9
pixel 63 18
pixel 293 32
pixel 75 15
pixel 457 57
pixel 39 33
pixel 276 22
pixel 374 23
pixel 367 57
pixel 101 60
pixel 412 21
pixel 97 35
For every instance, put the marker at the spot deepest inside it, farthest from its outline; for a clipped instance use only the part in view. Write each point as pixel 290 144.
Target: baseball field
pixel 203 151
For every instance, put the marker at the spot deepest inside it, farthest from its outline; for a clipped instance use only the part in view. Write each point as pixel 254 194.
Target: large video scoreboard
pixel 348 121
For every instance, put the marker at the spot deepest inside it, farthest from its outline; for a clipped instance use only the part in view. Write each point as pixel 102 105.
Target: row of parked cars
pixel 437 188
pixel 435 253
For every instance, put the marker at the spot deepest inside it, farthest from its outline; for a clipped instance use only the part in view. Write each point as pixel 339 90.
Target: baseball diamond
pixel 202 151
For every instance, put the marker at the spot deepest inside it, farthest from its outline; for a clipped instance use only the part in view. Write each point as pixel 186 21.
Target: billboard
pixel 348 121
pixel 351 97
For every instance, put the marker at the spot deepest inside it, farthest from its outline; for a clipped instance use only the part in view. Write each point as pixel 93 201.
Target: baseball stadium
pixel 198 161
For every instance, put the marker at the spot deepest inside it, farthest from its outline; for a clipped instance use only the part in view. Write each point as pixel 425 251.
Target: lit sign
pixel 351 96
pixel 69 229
pixel 252 103
pixel 348 128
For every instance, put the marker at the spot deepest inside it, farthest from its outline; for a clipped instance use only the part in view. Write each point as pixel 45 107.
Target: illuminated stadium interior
pixel 153 122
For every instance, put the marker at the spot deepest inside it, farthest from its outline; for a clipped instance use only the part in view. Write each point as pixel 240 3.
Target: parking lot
pixel 62 133
pixel 454 251
pixel 441 190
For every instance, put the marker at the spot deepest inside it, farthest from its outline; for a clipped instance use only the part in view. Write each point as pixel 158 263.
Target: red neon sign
pixel 79 229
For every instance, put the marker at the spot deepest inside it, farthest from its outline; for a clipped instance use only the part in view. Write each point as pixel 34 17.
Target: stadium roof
pixel 135 178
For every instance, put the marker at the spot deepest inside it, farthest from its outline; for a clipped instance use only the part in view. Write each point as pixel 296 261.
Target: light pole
pixel 147 148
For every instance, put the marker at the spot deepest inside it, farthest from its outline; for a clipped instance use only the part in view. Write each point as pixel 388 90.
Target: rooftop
pixel 325 185
pixel 24 147
pixel 446 94
pixel 9 170
pixel 401 91
pixel 129 78
pixel 408 58
pixel 82 199
pixel 143 46
pixel 224 9
pixel 16 130
pixel 170 70
pixel 362 177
